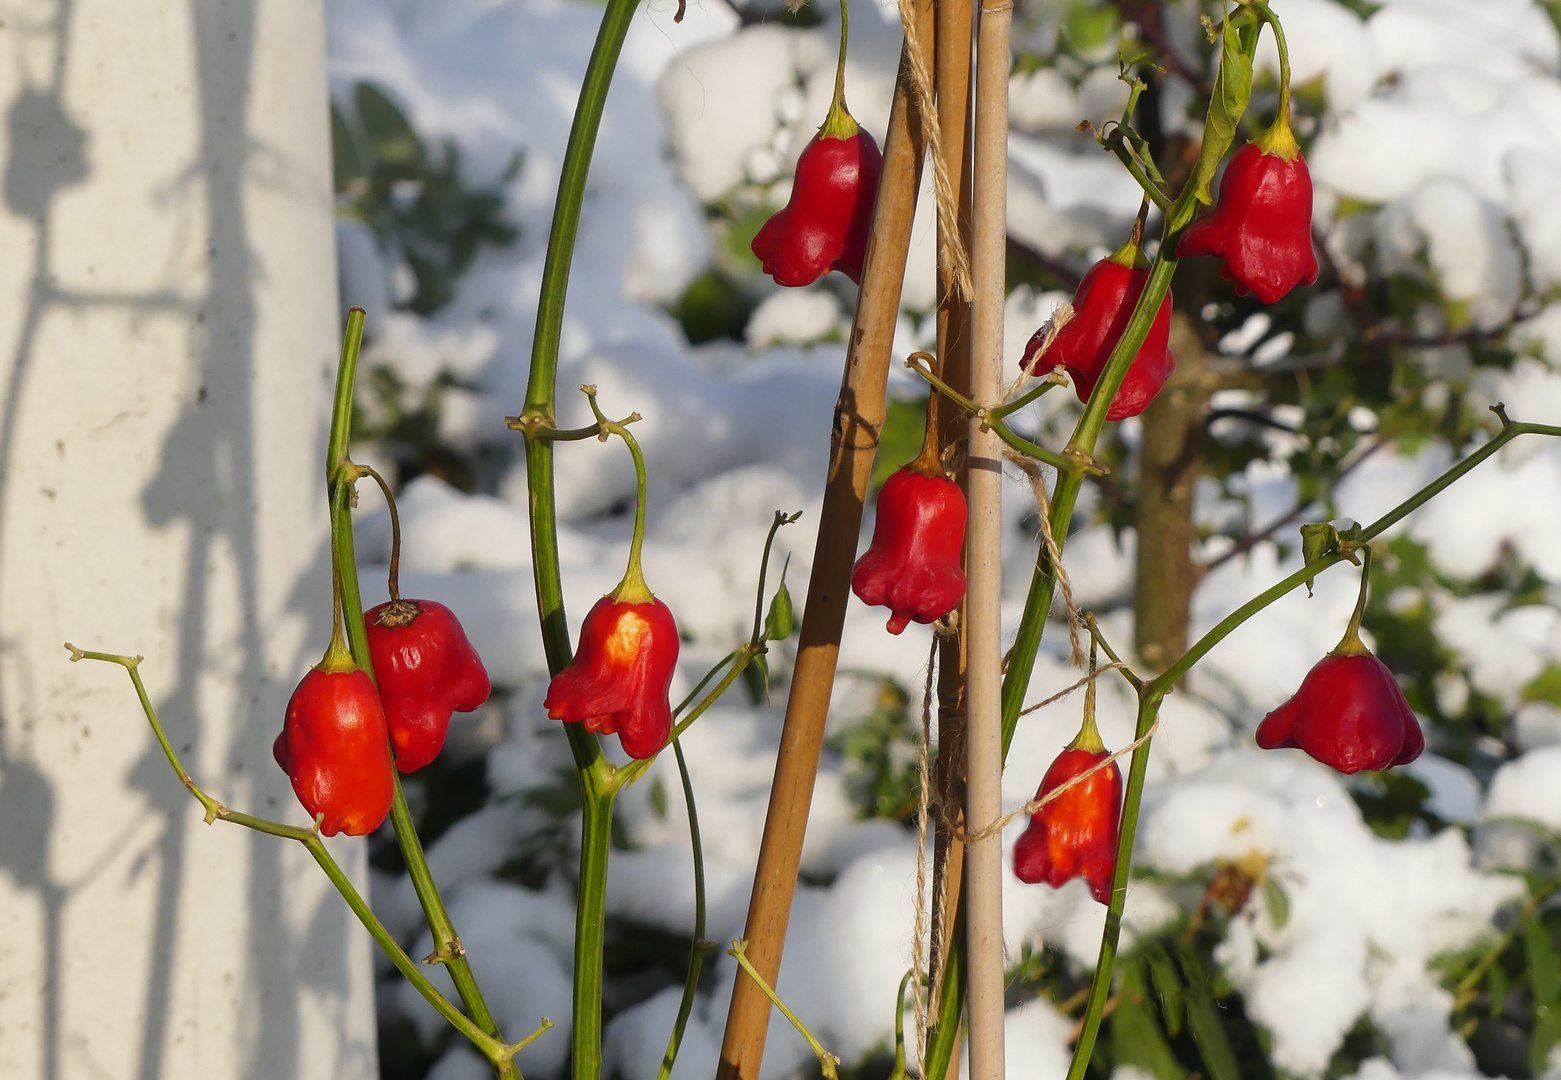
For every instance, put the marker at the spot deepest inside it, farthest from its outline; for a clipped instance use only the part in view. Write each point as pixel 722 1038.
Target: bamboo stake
pixel 984 762
pixel 955 38
pixel 859 416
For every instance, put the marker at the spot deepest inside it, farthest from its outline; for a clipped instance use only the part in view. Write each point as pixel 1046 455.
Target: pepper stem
pixel 1131 254
pixel 338 657
pixel 632 589
pixel 1351 644
pixel 1088 739
pixel 838 122
pixel 1279 140
pixel 394 583
pixel 930 461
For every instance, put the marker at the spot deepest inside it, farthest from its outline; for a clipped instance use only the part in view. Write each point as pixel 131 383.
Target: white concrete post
pixel 168 331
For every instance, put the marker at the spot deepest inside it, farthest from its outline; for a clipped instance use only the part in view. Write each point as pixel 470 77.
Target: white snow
pixel 1441 135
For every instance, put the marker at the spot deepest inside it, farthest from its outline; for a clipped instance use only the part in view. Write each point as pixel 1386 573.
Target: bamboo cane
pixel 984 747
pixel 955 38
pixel 859 416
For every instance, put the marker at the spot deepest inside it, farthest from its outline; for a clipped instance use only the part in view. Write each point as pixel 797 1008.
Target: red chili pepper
pixel 1262 223
pixel 824 225
pixel 619 678
pixel 1102 306
pixel 1349 713
pixel 427 669
pixel 334 746
pixel 913 567
pixel 1075 835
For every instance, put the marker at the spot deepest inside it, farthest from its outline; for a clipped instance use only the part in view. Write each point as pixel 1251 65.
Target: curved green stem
pixel 632 589
pixel 696 958
pixel 485 1041
pixel 394 581
pixel 997 412
pixel 590 915
pixel 1284 61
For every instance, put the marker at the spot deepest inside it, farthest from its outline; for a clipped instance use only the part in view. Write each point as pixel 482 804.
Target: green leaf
pixel 1203 1018
pixel 780 621
pixel 1545 977
pixel 346 165
pixel 1136 1038
pixel 391 138
pixel 1232 91
pixel 757 676
pixel 1278 903
pixel 1168 987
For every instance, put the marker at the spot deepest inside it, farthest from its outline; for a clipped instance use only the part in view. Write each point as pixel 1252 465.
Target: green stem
pixel 394 581
pixel 541 388
pixel 632 589
pixel 341 474
pixel 1284 61
pixel 1351 641
pixel 487 1042
pixel 828 1063
pixel 590 914
pixel 838 122
pixel 997 412
pixel 1117 144
pixel 696 958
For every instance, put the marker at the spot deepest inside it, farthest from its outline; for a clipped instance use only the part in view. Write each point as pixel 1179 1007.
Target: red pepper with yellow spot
pixel 621 674
pixel 1075 835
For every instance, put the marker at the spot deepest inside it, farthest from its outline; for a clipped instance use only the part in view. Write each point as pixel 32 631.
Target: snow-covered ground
pixel 1446 113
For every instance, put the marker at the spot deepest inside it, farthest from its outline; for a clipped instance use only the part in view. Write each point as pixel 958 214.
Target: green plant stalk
pixel 590 912
pixel 340 476
pixel 1153 693
pixel 597 780
pixel 828 1063
pixel 696 957
pixel 485 1041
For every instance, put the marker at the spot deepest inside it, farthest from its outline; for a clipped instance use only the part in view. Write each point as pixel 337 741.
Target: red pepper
pixel 1262 223
pixel 1102 306
pixel 334 746
pixel 1349 713
pixel 824 225
pixel 427 669
pixel 913 565
pixel 1075 835
pixel 620 676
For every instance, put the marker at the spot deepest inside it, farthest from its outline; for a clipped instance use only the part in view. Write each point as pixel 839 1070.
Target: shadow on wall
pixel 207 482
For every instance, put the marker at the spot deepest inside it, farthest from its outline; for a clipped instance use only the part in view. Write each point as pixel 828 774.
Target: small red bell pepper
pixel 427 669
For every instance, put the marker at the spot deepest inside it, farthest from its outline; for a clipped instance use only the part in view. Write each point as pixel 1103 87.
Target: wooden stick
pixel 955 34
pixel 859 416
pixel 984 742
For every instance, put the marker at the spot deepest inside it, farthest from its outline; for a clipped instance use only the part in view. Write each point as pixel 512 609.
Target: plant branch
pixel 828 1063
pixel 341 474
pixel 491 1046
pixel 696 958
